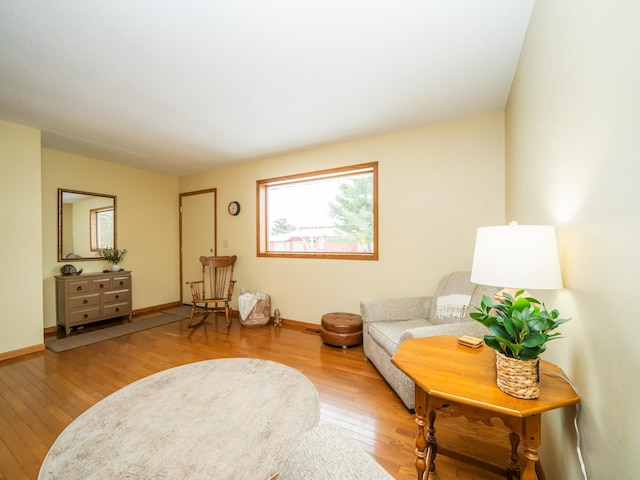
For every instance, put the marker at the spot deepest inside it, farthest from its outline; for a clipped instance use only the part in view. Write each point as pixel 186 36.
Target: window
pixel 101 228
pixel 325 214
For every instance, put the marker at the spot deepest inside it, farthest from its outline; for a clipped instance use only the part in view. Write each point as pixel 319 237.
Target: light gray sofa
pixel 387 322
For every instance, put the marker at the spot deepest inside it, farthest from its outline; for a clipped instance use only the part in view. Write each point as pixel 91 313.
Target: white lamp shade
pixel 517 256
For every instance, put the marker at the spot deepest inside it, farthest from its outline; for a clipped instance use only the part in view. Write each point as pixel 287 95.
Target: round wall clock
pixel 234 208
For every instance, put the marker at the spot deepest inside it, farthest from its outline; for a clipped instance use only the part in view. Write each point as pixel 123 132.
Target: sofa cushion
pixel 472 328
pixel 387 334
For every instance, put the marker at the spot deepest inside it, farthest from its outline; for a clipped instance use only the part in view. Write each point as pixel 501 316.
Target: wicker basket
pixel 518 378
pixel 260 313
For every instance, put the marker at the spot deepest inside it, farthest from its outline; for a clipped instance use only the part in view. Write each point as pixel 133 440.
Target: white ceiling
pixel 181 87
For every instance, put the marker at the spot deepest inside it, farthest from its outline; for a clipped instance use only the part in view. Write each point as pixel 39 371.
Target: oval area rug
pixel 224 419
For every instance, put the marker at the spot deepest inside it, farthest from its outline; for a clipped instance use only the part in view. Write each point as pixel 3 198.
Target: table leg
pixel 432 445
pixel 531 437
pixel 421 404
pixel 513 468
pixel 421 446
pixel 426 446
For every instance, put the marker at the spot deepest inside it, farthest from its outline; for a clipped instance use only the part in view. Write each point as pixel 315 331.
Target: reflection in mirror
pixel 86 224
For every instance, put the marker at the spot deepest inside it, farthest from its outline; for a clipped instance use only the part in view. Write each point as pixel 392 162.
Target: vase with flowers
pixel 113 256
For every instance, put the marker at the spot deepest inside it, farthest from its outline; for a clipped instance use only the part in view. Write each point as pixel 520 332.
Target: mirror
pixel 86 224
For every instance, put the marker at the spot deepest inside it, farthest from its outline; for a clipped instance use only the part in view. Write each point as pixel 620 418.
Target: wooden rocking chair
pixel 215 287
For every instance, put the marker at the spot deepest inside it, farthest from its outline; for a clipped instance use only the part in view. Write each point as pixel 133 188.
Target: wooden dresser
pixel 92 297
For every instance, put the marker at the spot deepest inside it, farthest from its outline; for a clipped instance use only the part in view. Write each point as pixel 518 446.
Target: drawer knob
pixel 102 285
pixel 121 283
pixel 85 301
pixel 117 309
pixel 79 288
pixel 117 297
pixel 85 316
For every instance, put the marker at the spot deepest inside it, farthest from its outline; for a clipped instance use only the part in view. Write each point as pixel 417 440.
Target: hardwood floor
pixel 41 393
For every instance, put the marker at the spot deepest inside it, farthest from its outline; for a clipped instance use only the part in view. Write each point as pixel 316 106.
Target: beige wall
pixel 147 225
pixel 573 160
pixel 433 195
pixel 430 206
pixel 21 239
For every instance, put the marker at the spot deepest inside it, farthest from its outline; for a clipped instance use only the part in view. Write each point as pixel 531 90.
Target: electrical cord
pixel 575 419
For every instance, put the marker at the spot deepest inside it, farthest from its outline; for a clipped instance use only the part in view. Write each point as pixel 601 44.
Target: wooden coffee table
pixel 464 380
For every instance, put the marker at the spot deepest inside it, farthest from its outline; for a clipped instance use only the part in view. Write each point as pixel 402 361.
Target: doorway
pixel 198 235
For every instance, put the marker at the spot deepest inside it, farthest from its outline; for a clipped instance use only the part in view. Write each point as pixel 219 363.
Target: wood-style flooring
pixel 41 393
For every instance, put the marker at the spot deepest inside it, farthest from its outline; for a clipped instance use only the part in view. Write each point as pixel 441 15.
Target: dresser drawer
pixel 100 284
pixel 84 301
pixel 85 315
pixel 78 286
pixel 115 309
pixel 121 282
pixel 116 296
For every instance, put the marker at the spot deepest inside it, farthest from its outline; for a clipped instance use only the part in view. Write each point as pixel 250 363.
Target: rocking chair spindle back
pixel 215 287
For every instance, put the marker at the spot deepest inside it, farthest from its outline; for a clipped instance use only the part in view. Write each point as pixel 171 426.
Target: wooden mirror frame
pixel 61 192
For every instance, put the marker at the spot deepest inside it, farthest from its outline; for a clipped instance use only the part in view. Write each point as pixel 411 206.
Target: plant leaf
pixel 509 327
pixel 491 342
pixel 499 331
pixel 521 304
pixel 483 318
pixel 534 340
pixel 510 347
pixel 537 325
pixel 531 353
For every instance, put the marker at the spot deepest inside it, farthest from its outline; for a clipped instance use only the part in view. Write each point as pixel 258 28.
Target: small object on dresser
pixel 469 341
pixel 69 270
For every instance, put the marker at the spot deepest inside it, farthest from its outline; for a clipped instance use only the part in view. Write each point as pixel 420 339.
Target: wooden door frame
pixel 215 226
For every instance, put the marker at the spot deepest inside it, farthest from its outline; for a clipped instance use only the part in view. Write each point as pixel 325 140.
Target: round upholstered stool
pixel 341 329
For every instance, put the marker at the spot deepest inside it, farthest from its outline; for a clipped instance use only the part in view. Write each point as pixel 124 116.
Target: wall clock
pixel 233 208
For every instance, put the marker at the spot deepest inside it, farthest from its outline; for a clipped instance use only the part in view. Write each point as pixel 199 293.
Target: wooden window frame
pixel 93 227
pixel 262 226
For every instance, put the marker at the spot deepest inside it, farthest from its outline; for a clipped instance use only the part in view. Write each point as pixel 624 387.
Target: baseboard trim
pixel 286 322
pixel 298 325
pixel 156 308
pixel 21 351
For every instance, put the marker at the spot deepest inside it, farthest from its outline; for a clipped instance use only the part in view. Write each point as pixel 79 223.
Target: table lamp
pixel 517 257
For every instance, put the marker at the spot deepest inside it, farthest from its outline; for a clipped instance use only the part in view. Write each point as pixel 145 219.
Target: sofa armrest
pixel 475 329
pixel 394 309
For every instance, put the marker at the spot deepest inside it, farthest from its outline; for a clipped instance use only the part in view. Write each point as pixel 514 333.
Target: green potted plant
pixel 112 255
pixel 520 327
